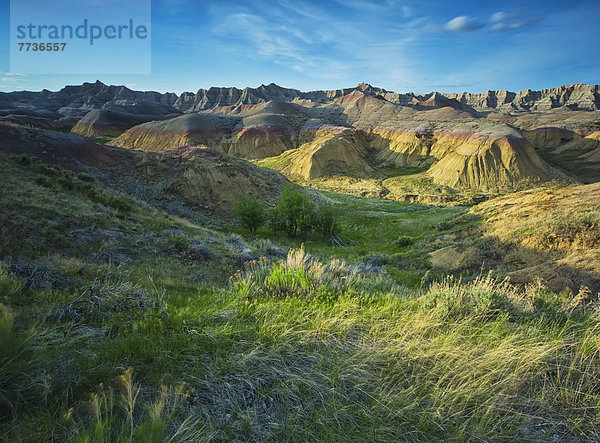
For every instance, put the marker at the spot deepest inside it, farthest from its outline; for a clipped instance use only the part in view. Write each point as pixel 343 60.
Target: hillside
pixel 474 142
pixel 120 321
pixel 461 151
pixel 193 181
pixel 422 267
pixel 551 234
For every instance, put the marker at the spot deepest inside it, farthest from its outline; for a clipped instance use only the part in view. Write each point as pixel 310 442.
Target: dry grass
pixel 548 233
pixel 294 348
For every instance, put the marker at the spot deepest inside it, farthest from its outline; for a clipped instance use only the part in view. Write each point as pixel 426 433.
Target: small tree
pixel 326 222
pixel 295 212
pixel 275 220
pixel 250 212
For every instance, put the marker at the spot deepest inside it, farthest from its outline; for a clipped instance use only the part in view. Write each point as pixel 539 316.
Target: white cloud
pixel 462 23
pixel 499 16
pixel 315 42
pixel 507 26
pixel 510 21
pixel 12 74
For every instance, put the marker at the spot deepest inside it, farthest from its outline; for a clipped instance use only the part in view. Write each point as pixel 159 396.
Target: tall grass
pixel 299 275
pixel 119 415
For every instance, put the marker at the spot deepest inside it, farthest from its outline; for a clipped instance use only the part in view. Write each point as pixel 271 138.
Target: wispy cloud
pixel 12 80
pixel 377 6
pixel 498 21
pixel 13 74
pixel 304 39
pixel 510 21
pixel 268 40
pixel 463 23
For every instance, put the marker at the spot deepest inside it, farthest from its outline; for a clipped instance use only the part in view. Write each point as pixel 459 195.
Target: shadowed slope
pixel 187 180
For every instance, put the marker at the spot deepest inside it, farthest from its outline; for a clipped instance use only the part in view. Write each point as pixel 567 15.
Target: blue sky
pixel 400 45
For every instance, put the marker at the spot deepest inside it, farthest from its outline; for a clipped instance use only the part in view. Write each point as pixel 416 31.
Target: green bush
pixel 274 220
pixel 299 275
pixel 84 176
pixel 326 222
pixel 294 213
pixel 43 181
pixel 250 212
pixel 297 216
pixel 377 259
pixel 179 242
pixel 284 282
pixel 404 241
pixel 444 225
pixel 485 297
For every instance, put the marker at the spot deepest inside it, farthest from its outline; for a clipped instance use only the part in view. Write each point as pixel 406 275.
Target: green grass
pixel 102 140
pixel 457 362
pixel 389 171
pixel 137 326
pixel 272 162
pixel 396 183
pixel 370 225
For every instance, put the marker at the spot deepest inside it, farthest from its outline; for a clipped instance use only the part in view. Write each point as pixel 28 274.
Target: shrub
pixel 270 249
pixel 250 212
pixel 299 275
pixel 274 220
pixel 377 260
pixel 295 212
pixel 85 177
pixel 236 242
pixel 485 297
pixel 326 222
pixel 111 299
pixel 200 252
pixel 117 203
pixel 284 282
pixel 297 216
pixel 43 181
pixel 179 242
pixel 444 225
pixel 404 241
pixel 26 160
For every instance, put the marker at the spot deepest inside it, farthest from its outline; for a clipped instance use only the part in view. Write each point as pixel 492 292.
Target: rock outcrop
pixel 355 134
pixel 577 96
pixel 333 151
pixel 76 101
pixel 191 129
pixel 479 141
pixel 458 156
pixel 486 160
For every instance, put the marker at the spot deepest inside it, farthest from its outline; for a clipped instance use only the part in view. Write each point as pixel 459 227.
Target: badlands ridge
pixel 480 142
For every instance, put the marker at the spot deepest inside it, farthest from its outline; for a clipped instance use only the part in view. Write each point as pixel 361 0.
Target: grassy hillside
pixel 548 233
pixel 121 323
